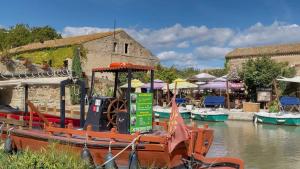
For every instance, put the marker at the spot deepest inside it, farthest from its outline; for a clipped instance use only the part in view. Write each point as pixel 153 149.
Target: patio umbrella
pixel 181 84
pixel 158 84
pixel 135 83
pixel 214 85
pixel 202 77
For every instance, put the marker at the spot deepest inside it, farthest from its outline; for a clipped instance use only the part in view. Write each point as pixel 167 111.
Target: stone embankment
pixel 238 114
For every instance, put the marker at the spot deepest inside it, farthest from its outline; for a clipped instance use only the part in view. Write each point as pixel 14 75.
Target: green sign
pixel 141 112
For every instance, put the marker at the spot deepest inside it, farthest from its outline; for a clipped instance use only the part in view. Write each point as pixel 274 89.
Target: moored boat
pixel 216 113
pixel 164 112
pixel 121 130
pixel 206 114
pixel 283 117
pixel 279 118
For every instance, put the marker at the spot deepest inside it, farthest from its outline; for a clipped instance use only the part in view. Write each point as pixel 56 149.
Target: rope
pixel 130 144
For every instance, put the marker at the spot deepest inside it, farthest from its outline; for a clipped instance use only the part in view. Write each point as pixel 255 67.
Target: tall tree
pixel 261 72
pixel 41 34
pixel 77 70
pixel 22 34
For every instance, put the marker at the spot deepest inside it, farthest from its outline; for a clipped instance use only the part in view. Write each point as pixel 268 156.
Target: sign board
pixel 263 96
pixel 141 112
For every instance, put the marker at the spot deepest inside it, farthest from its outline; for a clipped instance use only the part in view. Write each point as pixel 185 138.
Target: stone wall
pixel 293 60
pixel 100 53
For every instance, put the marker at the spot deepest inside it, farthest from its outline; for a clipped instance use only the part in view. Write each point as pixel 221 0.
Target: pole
pixel 82 103
pixel 62 103
pixel 151 81
pixel 116 84
pixel 26 99
pixel 227 95
pixel 92 84
pixel 128 89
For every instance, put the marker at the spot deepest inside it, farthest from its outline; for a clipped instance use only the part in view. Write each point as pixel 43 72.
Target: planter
pixel 251 107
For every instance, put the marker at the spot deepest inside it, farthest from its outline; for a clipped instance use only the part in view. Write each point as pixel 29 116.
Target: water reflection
pixel 260 146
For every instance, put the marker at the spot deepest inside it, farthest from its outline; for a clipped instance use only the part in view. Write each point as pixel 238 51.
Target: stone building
pixel 282 53
pixel 101 49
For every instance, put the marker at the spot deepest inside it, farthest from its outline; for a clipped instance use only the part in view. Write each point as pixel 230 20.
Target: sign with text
pixel 141 112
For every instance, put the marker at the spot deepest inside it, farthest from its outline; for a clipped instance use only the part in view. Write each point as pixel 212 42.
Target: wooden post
pixel 30 119
pixel 227 95
pixel 21 119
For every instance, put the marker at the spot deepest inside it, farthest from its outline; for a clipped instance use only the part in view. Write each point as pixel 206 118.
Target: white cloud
pixel 177 58
pixel 183 44
pixel 210 52
pixel 75 31
pixel 165 37
pixel 201 46
pixel 260 34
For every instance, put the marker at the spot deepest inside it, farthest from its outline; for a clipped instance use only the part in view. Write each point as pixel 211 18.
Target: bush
pixel 48 158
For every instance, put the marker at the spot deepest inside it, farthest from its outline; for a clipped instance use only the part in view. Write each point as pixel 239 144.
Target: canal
pixel 260 146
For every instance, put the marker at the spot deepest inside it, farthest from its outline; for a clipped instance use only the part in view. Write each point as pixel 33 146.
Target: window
pixel 115 47
pixel 126 48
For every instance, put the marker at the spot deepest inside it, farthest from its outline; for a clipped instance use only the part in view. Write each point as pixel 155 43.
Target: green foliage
pixel 49 158
pixel 22 34
pixel 217 72
pixel 261 72
pixel 77 70
pixel 274 106
pixel 166 74
pixel 57 55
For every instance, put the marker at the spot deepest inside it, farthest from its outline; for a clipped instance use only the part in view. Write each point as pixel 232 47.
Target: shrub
pixel 48 158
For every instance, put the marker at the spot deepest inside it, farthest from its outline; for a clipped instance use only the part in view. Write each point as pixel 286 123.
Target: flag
pixel 177 130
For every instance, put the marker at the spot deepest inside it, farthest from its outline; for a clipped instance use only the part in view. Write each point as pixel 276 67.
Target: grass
pixel 48 158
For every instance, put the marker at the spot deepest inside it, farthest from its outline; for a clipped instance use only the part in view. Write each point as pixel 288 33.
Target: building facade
pixel 101 49
pixel 289 53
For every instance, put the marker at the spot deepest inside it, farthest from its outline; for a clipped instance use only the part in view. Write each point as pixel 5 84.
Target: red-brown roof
pixel 62 42
pixel 281 49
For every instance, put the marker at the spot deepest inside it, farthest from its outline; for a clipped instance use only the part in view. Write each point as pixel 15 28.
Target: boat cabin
pixel 123 113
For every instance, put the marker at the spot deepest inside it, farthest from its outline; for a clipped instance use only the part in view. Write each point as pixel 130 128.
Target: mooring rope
pixel 130 144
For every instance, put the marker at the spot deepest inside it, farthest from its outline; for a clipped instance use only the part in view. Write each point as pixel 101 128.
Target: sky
pixel 189 33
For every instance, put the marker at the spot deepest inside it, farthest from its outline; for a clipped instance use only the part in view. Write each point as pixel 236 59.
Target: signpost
pixel 141 112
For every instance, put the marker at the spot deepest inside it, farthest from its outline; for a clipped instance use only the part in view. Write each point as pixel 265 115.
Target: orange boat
pixel 110 134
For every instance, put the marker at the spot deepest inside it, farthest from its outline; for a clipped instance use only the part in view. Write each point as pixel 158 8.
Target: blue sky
pixel 182 33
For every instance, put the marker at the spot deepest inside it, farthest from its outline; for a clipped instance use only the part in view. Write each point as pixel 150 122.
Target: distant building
pixel 101 50
pixel 281 53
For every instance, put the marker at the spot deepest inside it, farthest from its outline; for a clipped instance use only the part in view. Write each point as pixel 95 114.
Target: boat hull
pixel 148 154
pixel 277 120
pixel 185 115
pixel 210 117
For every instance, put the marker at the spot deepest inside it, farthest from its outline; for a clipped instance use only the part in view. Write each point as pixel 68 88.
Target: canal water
pixel 260 146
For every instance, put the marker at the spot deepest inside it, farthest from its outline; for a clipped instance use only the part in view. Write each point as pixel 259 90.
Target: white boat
pixel 164 112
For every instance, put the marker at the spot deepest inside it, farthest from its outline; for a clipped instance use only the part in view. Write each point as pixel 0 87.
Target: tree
pixel 22 34
pixel 18 35
pixel 261 73
pixel 77 70
pixel 41 34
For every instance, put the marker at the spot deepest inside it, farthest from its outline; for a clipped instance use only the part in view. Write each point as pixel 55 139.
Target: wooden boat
pixel 216 113
pixel 151 148
pixel 282 117
pixel 105 130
